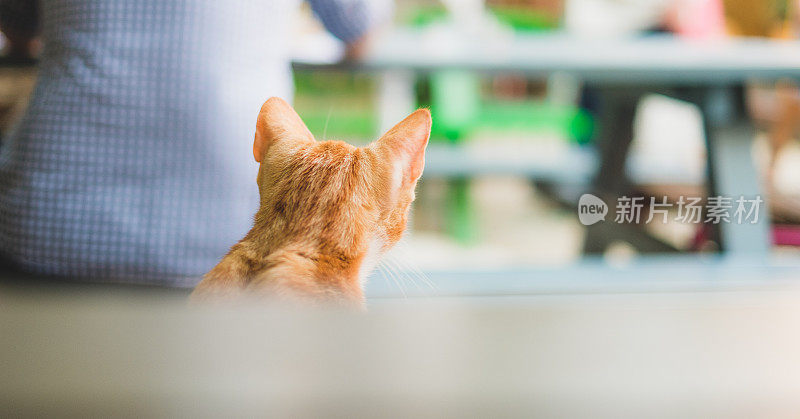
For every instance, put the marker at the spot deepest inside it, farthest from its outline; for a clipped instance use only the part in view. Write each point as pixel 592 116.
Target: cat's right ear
pixel 278 121
pixel 405 144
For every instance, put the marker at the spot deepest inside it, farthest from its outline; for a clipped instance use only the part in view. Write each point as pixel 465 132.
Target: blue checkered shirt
pixel 133 162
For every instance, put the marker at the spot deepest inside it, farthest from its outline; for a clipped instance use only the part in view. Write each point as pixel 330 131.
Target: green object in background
pixel 526 19
pixel 461 223
pixel 523 19
pixel 537 116
pixel 455 106
pixel 425 15
pixel 458 107
pixel 336 105
pixel 340 124
pixel 455 102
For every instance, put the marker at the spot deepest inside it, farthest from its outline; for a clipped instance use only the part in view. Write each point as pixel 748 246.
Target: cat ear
pixel 405 144
pixel 277 120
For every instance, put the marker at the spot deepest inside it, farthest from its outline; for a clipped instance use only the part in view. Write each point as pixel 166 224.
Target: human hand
pixel 20 46
pixel 357 50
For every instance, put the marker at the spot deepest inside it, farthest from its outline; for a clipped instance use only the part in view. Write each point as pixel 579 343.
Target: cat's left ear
pixel 405 144
pixel 278 121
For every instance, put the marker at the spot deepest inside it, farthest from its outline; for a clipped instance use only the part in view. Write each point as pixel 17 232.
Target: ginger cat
pixel 328 211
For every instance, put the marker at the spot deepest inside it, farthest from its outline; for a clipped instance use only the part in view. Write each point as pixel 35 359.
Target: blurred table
pixel 650 60
pixel 709 74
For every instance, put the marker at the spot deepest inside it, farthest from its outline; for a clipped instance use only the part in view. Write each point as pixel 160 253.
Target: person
pixel 133 163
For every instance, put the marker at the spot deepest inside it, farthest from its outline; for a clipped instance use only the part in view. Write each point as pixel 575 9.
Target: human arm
pixel 352 20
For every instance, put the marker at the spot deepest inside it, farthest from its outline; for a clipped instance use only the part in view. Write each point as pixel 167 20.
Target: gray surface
pixel 723 353
pixel 652 274
pixel 736 176
pixel 575 166
pixel 648 60
pixel 660 337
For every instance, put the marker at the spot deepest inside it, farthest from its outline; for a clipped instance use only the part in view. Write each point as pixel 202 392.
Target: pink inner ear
pixel 257 150
pixel 406 142
pixel 417 161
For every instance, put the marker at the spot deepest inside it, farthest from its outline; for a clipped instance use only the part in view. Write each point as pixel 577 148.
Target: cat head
pixel 336 205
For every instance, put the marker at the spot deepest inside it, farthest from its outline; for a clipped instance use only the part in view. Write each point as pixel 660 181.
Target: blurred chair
pixel 776 107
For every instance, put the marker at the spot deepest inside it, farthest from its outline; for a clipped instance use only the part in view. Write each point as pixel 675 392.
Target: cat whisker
pixel 396 274
pixel 327 119
pixel 383 273
pixel 421 276
pixel 407 271
pixel 415 278
pixel 391 275
pixel 411 267
pixel 402 274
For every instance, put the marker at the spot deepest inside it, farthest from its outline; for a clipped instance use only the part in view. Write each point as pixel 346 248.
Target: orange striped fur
pixel 328 210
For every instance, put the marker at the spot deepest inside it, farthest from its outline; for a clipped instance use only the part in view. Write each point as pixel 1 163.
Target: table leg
pixel 617 110
pixel 732 171
pixel 614 135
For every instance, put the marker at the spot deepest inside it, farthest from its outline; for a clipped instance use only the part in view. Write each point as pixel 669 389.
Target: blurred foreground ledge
pixel 719 351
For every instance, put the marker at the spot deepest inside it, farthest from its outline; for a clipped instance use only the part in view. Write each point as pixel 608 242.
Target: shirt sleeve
pixel 20 17
pixel 349 20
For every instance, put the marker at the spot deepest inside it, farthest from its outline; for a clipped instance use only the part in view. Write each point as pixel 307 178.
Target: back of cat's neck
pixel 297 273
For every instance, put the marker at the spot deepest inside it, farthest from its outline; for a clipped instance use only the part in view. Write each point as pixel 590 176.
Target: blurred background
pixel 509 151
